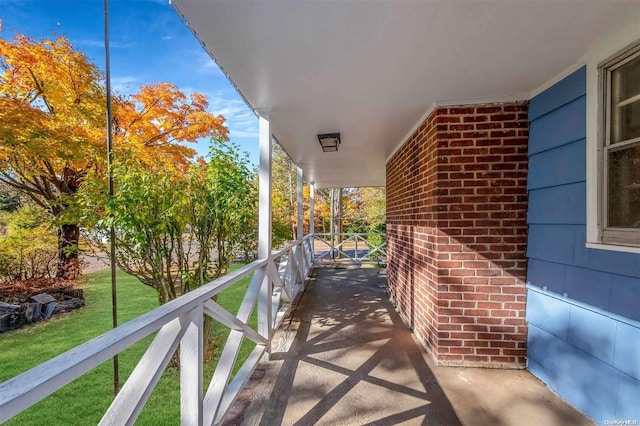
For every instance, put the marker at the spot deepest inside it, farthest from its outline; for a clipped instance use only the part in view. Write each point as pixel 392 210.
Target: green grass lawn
pixel 85 400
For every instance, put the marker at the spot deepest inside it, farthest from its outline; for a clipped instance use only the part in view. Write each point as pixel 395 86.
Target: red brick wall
pixel 456 231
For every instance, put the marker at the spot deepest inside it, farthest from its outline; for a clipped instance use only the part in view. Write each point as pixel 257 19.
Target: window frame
pixel 609 234
pixel 619 38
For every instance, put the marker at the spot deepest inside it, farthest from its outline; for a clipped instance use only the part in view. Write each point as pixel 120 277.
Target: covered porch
pixel 345 357
pixel 437 101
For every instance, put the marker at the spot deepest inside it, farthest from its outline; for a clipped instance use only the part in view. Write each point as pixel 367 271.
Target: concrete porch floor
pixel 346 358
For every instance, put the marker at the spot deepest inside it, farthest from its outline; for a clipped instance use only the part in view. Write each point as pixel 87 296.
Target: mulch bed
pixel 19 295
pixel 18 290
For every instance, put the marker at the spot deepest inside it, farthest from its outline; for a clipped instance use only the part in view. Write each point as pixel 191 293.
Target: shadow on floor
pixel 353 361
pixel 346 358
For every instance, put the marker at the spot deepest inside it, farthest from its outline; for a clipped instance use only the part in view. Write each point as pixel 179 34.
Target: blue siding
pixel 588 286
pixel 559 94
pixel 583 305
pixel 566 124
pixel 547 275
pixel 545 207
pixel 627 350
pixel 594 363
pixel 625 296
pixel 549 168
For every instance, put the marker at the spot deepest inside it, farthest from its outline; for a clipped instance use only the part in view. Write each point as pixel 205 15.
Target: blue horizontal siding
pixel 588 286
pixel 546 275
pixel 563 204
pixel 627 406
pixel 615 262
pixel 627 350
pixel 583 305
pixel 566 124
pixel 549 168
pixel 590 359
pixel 565 91
pixel 552 242
pixel 549 314
pixel 625 297
pixel 593 333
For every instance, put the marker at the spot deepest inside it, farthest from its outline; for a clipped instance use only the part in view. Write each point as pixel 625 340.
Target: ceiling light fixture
pixel 329 141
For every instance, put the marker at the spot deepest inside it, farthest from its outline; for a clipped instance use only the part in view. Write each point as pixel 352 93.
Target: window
pixel 620 154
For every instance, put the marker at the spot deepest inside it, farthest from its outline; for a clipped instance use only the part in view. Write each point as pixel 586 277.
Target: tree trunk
pixel 68 260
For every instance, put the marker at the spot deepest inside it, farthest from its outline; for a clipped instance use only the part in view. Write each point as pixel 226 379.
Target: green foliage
pixel 280 232
pixel 175 230
pixel 364 208
pixel 377 237
pixel 233 202
pixel 28 248
pixel 283 197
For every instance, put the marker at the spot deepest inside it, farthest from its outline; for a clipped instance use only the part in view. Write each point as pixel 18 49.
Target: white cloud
pixel 100 43
pixel 206 64
pixel 240 120
pixel 124 85
pixel 167 37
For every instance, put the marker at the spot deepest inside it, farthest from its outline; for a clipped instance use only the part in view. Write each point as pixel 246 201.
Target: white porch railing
pixel 350 248
pixel 179 323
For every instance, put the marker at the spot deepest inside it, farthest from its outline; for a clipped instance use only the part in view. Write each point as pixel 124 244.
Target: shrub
pixel 28 249
pixel 377 237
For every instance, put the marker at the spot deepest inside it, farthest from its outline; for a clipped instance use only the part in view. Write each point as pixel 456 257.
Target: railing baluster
pixel 277 282
pixel 234 388
pixel 356 254
pixel 218 313
pixel 136 391
pixel 264 312
pixel 180 322
pixel 191 371
pixel 223 371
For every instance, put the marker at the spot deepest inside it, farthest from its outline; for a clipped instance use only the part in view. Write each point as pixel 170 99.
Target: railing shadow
pixel 353 361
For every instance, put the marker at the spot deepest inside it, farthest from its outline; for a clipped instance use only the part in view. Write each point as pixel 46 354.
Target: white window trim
pixel 617 41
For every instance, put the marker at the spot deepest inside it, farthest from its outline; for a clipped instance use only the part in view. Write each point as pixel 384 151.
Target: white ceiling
pixel 370 70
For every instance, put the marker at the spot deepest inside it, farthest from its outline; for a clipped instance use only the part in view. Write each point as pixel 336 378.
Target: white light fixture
pixel 329 141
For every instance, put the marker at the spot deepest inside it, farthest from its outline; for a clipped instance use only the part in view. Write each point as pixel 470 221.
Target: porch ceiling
pixel 370 70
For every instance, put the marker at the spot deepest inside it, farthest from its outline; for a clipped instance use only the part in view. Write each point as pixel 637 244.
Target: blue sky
pixel 149 44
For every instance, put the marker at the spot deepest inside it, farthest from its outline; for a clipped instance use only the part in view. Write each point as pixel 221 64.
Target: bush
pixel 379 236
pixel 28 249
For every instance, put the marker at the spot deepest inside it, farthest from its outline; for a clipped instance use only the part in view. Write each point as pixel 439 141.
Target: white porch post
pixel 300 206
pixel 312 216
pixel 264 206
pixel 264 229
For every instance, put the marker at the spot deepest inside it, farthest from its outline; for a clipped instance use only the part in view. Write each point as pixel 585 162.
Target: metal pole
pixel 112 231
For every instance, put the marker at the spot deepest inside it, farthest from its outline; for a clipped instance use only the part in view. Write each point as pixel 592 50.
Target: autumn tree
pixel 283 196
pixel 53 128
pixel 364 208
